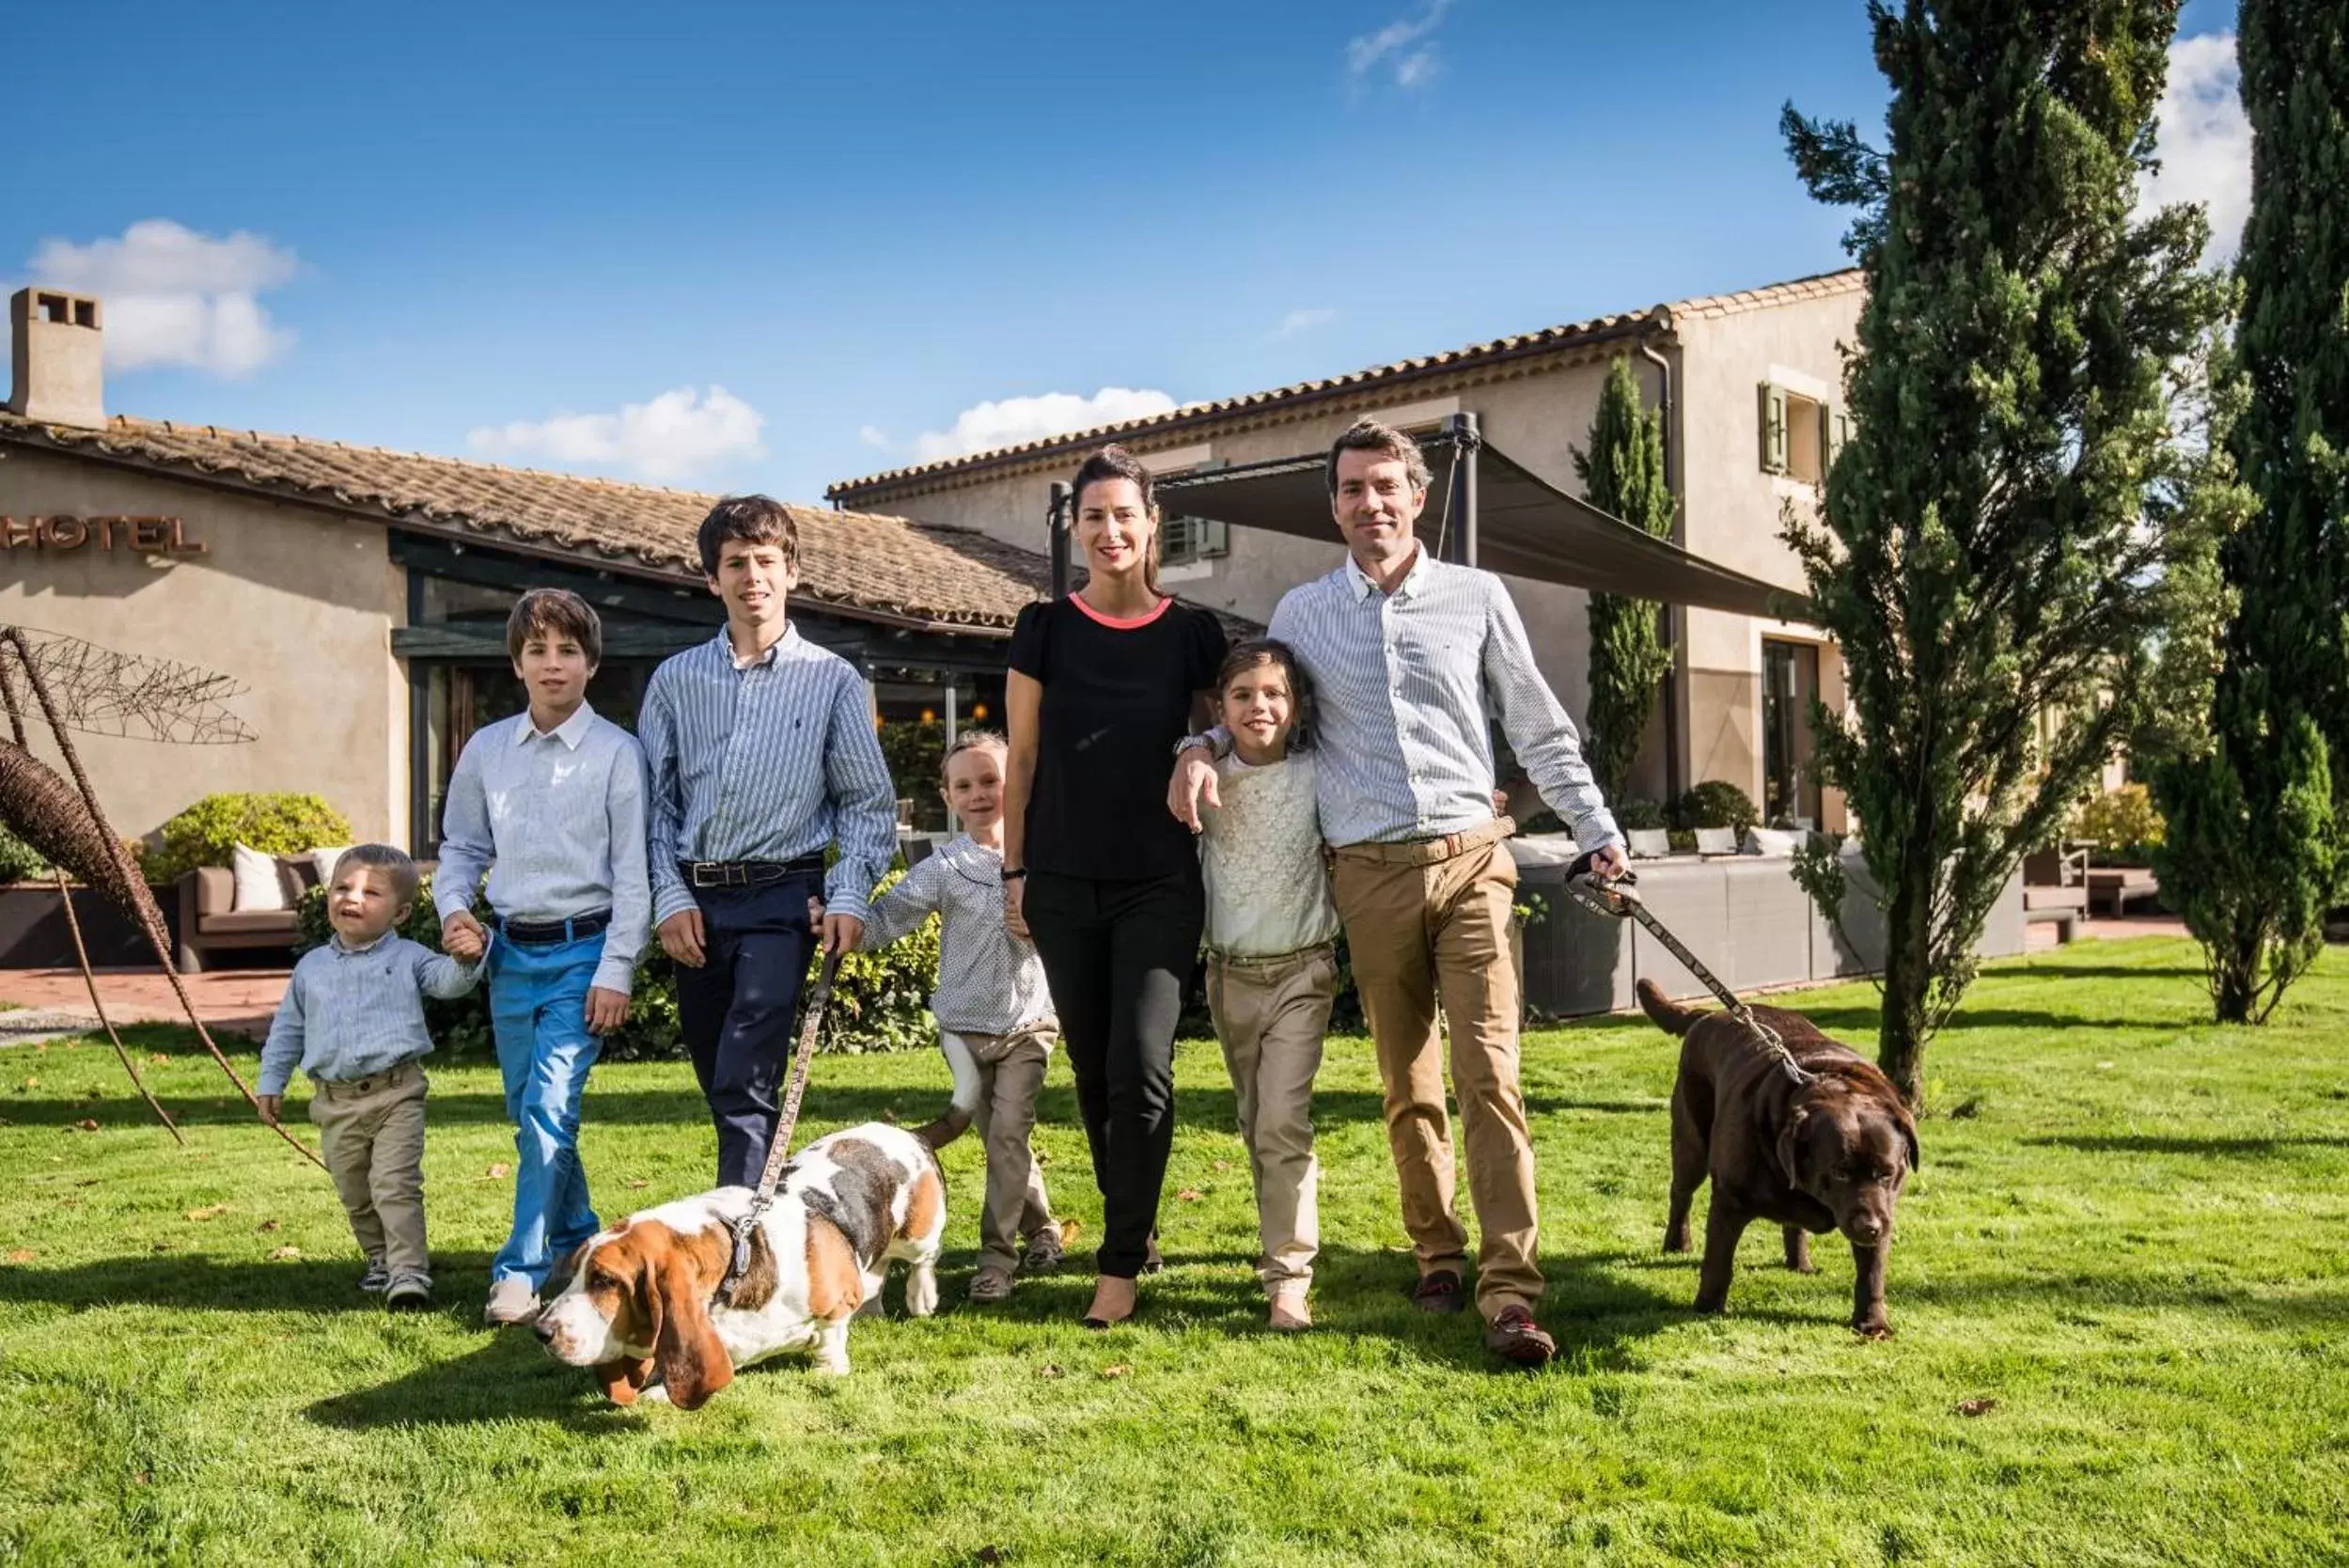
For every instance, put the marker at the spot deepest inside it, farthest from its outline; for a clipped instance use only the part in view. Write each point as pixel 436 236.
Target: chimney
pixel 59 365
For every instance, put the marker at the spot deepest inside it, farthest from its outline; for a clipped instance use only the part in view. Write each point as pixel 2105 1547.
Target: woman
pixel 1101 686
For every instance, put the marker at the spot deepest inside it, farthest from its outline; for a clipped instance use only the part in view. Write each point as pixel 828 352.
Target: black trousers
pixel 1117 954
pixel 736 1011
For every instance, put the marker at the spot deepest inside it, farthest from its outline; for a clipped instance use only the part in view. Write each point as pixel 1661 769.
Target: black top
pixel 1116 698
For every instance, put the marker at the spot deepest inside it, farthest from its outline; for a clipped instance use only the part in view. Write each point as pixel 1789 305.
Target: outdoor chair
pixel 211 923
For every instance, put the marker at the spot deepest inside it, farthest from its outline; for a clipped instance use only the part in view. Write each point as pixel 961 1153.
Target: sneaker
pixel 1290 1313
pixel 1440 1291
pixel 1514 1338
pixel 990 1285
pixel 512 1304
pixel 377 1279
pixel 410 1293
pixel 1047 1247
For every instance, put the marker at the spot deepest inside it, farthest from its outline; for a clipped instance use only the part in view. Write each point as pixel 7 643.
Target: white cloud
pixel 873 435
pixel 1013 420
pixel 2204 141
pixel 677 435
pixel 177 297
pixel 1400 45
pixel 1304 320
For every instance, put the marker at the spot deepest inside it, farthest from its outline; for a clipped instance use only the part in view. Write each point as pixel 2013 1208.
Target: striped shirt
pixel 557 820
pixel 989 980
pixel 351 1012
pixel 771 758
pixel 1406 682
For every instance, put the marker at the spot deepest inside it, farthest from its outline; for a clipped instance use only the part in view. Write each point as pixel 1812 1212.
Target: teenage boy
pixel 550 804
pixel 761 753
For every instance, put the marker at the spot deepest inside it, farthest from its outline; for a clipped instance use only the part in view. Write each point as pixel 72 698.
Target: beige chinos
pixel 371 1135
pixel 1010 1074
pixel 1271 1014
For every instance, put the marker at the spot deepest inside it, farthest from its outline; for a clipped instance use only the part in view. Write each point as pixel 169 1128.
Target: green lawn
pixel 2131 1250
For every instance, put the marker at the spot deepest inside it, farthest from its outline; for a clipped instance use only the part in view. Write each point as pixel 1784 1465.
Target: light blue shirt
pixel 558 822
pixel 1405 683
pixel 351 1012
pixel 768 760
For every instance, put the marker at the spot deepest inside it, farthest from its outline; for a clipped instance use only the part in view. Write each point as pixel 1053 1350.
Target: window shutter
pixel 1175 548
pixel 1215 537
pixel 1828 440
pixel 1843 427
pixel 1773 429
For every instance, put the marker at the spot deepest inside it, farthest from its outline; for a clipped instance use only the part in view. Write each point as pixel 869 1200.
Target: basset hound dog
pixel 641 1298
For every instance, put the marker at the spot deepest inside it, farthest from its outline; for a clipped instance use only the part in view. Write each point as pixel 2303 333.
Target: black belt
pixel 546 933
pixel 745 874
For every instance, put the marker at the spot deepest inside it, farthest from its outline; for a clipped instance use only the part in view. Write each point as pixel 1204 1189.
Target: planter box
pixel 34 934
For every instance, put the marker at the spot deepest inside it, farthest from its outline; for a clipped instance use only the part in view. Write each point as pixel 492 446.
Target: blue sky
pixel 770 246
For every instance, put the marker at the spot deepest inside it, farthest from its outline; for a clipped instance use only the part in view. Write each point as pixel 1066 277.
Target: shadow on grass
pixel 510 1377
pixel 199 1283
pixel 2252 1146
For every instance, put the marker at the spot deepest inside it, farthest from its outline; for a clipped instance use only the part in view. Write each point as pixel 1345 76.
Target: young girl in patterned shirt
pixel 995 1021
pixel 1272 964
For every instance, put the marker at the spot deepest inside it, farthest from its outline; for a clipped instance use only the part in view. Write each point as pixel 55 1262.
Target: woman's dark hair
pixel 1115 463
pixel 756 519
pixel 1245 656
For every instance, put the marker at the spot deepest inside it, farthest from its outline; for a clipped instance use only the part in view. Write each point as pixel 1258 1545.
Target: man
pixel 760 752
pixel 1410 654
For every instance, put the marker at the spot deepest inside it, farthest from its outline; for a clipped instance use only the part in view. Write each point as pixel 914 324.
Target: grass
pixel 2131 1247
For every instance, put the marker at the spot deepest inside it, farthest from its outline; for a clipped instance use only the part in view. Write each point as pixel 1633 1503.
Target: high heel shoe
pixel 1114 1301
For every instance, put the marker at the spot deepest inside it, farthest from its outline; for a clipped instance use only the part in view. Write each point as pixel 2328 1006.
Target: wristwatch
pixel 1011 876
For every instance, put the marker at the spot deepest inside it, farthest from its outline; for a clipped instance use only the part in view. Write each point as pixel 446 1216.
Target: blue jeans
pixel 538 1009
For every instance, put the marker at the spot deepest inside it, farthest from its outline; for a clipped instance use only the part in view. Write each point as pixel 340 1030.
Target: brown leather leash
pixel 1618 898
pixel 780 1148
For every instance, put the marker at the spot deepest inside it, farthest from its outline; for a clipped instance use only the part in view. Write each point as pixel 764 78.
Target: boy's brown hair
pixel 550 612
pixel 397 867
pixel 756 519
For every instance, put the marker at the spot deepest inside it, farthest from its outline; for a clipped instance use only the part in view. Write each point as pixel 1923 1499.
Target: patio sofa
pixel 210 922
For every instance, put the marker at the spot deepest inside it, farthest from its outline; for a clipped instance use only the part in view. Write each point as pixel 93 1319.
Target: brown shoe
pixel 1440 1291
pixel 1515 1339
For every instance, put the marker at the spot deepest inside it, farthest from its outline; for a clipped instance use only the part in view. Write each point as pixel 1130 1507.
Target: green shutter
pixel 1828 418
pixel 1215 537
pixel 1773 429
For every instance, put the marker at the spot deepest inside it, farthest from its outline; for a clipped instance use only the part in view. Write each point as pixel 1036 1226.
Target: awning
pixel 1525 527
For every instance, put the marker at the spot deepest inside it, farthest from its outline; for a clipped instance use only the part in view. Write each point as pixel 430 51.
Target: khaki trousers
pixel 1428 920
pixel 1010 1071
pixel 1271 1014
pixel 371 1133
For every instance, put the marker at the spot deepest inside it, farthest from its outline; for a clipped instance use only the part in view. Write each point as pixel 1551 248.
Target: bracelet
pixel 1011 876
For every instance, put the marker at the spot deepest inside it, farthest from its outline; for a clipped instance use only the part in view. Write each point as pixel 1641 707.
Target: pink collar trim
pixel 1118 623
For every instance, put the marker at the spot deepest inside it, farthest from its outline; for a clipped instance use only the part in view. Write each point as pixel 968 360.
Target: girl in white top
pixel 1272 961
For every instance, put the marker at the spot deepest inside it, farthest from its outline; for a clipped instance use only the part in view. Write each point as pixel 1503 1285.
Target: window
pixel 1789 683
pixel 1194 539
pixel 1800 434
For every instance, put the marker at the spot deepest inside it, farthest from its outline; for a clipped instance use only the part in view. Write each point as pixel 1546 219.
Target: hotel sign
pixel 146 535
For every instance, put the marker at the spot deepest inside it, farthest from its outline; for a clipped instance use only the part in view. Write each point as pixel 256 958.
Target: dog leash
pixel 780 1148
pixel 1618 898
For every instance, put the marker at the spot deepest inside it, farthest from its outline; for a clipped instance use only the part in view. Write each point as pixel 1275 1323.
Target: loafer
pixel 512 1304
pixel 1517 1339
pixel 1440 1291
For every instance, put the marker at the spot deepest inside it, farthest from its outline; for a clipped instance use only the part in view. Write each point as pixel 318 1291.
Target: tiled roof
pixel 848 560
pixel 1597 328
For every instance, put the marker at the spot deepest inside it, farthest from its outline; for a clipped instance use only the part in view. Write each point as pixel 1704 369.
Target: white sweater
pixel 1267 889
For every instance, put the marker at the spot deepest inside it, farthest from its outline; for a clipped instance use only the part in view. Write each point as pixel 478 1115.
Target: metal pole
pixel 1466 441
pixel 1056 532
pixel 954 823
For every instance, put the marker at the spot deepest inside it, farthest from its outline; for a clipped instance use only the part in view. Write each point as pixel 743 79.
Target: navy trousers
pixel 736 1011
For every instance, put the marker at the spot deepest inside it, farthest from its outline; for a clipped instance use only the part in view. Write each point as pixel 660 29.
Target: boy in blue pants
pixel 550 803
pixel 761 753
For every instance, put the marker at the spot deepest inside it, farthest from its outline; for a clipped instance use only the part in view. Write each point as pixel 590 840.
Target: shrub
pixel 1639 816
pixel 1715 803
pixel 2122 822
pixel 273 823
pixel 880 1001
pixel 915 750
pixel 19 861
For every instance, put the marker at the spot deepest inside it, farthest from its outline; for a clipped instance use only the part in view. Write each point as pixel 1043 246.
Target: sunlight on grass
pixel 2127 1257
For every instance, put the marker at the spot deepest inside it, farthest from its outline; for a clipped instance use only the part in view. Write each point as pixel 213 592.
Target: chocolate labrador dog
pixel 1831 1155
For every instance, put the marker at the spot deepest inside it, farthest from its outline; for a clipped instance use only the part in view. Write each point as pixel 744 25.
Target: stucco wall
pixel 1734 513
pixel 295 603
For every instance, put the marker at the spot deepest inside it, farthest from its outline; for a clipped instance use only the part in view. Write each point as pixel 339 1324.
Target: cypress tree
pixel 1995 555
pixel 2255 850
pixel 1622 473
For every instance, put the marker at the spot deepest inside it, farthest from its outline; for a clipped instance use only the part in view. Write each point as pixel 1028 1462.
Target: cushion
pixel 1649 843
pixel 323 864
pixel 1773 841
pixel 258 885
pixel 1716 841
